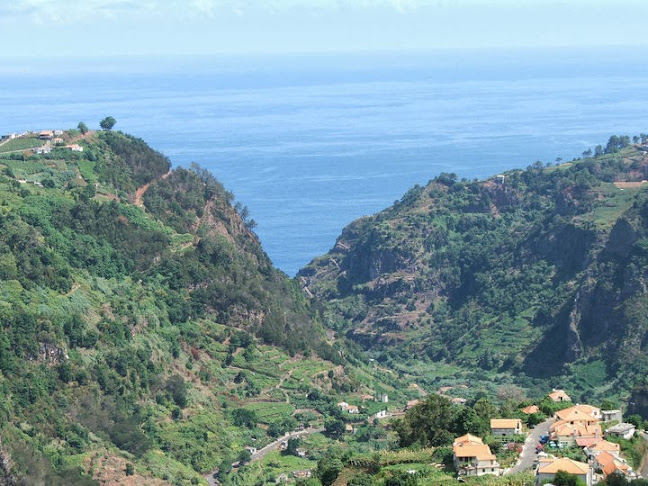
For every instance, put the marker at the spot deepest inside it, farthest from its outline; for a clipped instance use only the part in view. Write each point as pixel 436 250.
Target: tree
pixel 563 478
pixel 107 123
pixel 244 417
pixel 292 446
pixel 431 423
pixel 328 469
pixel 244 456
pixel 130 469
pixel 176 386
pixel 334 428
pixel 83 128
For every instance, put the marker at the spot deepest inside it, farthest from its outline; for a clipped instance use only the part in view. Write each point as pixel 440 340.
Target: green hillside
pixel 539 274
pixel 139 313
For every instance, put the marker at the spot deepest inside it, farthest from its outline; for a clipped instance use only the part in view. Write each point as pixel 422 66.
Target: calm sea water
pixel 310 143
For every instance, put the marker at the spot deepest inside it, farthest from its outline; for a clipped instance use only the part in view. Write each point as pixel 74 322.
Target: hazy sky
pixel 105 27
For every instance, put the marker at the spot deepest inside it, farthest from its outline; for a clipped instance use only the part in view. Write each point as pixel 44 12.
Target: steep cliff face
pixel 536 266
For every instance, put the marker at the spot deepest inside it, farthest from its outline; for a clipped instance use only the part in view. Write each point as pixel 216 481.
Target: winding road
pixel 261 453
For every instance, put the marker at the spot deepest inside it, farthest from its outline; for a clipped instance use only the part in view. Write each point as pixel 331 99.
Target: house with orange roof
pixel 530 409
pixel 505 427
pixel 547 469
pixel 46 135
pixel 579 413
pixel 559 396
pixel 603 445
pixel 567 434
pixel 467 439
pixel 475 460
pixel 608 464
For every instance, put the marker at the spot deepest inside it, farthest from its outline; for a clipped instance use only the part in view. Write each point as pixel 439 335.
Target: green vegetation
pixel 21 143
pixel 537 274
pixel 130 334
pixel 145 332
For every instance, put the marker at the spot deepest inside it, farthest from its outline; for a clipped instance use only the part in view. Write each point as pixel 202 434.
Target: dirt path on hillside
pixel 139 193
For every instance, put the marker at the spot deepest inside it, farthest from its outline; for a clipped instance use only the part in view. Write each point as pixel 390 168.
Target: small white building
pixel 623 430
pixel 381 414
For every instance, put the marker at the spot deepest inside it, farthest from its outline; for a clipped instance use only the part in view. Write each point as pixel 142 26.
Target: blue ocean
pixel 311 142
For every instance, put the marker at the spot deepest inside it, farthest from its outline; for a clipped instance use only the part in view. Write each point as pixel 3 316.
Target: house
pixel 475 460
pixel 74 147
pixel 45 149
pixel 603 445
pixel 46 135
pixel 367 397
pixel 301 452
pixel 352 409
pixel 608 464
pixel 505 427
pixel 343 405
pixel 611 415
pixel 567 434
pixel 57 141
pixel 579 413
pixel 384 398
pixel 349 429
pixel 282 478
pixel 251 450
pixel 530 409
pixel 58 133
pixel 381 414
pixel 302 474
pixel 559 396
pixel 458 401
pixel 621 430
pixel 548 468
pixel 467 439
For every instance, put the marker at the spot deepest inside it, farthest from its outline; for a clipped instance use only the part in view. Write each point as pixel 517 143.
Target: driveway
pixel 260 454
pixel 528 455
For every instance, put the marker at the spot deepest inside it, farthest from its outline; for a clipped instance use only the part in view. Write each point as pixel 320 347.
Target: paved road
pixel 260 454
pixel 528 455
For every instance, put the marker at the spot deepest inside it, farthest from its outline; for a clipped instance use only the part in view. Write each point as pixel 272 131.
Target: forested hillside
pixel 129 331
pixel 538 273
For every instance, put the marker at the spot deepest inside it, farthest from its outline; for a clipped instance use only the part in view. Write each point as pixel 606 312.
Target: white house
pixel 473 459
pixel 621 430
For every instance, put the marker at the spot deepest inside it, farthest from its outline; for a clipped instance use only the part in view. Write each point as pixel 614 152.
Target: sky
pixel 99 28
